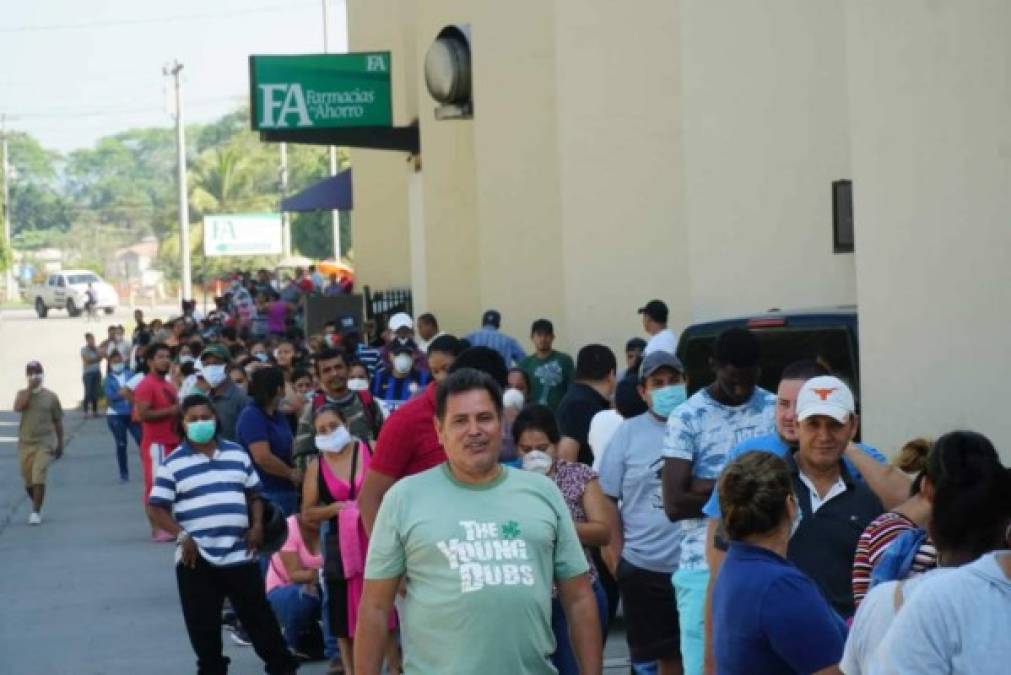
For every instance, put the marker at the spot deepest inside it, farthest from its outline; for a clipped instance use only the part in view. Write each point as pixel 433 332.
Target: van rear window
pixel 832 347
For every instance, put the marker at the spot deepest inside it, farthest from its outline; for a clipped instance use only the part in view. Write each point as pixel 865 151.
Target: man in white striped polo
pixel 205 494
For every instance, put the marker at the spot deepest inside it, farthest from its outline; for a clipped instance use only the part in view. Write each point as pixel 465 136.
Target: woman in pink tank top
pixel 329 492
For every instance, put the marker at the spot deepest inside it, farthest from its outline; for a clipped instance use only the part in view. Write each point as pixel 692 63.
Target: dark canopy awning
pixel 330 194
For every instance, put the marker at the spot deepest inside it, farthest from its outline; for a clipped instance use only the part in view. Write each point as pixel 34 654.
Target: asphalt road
pixel 87 592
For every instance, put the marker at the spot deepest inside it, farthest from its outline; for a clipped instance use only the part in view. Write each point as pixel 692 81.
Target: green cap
pixel 217 350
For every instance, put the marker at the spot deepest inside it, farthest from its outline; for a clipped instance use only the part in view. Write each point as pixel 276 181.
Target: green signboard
pixel 320 91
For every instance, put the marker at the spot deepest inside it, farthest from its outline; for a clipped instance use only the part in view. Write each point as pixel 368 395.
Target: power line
pixel 111 112
pixel 116 23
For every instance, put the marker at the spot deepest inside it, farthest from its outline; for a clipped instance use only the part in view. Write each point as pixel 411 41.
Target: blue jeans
pixel 92 390
pixel 330 649
pixel 296 610
pixel 564 659
pixel 120 425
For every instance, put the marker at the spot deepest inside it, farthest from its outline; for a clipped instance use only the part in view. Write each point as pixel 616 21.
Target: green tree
pixel 36 201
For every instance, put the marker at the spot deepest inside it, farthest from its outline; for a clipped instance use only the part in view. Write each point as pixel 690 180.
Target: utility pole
pixel 174 69
pixel 9 289
pixel 285 218
pixel 335 215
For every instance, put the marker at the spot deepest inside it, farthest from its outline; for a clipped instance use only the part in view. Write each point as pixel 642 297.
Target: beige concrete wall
pixel 930 89
pixel 765 133
pixel 516 154
pixel 380 218
pixel 450 259
pixel 619 176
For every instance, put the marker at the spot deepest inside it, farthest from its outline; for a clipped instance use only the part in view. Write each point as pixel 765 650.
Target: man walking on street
pixel 91 362
pixel 40 436
pixel 480 546
pixel 156 406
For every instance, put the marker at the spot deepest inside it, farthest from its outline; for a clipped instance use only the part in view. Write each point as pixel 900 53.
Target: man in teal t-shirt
pixel 480 546
pixel 550 372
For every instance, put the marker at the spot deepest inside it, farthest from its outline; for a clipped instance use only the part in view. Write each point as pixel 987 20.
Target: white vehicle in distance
pixel 68 290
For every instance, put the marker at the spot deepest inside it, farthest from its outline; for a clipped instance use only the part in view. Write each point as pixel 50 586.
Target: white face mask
pixel 118 367
pixel 537 461
pixel 513 398
pixel 186 358
pixel 335 441
pixel 402 363
pixel 358 384
pixel 214 374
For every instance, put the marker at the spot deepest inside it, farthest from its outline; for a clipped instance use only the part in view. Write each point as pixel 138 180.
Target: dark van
pixel 826 335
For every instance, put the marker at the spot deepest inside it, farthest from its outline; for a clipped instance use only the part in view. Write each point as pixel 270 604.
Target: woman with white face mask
pixel 535 432
pixel 120 410
pixel 330 488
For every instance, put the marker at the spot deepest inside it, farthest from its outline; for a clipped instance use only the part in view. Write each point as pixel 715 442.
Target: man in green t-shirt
pixel 480 546
pixel 550 372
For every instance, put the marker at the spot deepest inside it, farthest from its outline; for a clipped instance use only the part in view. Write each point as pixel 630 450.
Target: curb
pixel 8 511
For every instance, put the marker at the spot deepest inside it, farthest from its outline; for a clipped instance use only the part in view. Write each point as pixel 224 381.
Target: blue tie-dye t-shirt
pixel 704 431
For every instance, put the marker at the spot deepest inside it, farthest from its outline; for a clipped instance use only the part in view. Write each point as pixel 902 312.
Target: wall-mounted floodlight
pixel 448 73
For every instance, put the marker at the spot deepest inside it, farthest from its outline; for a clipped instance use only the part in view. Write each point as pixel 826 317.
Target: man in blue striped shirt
pixel 398 385
pixel 489 336
pixel 207 494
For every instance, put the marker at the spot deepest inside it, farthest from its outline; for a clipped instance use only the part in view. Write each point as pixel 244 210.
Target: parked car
pixel 68 290
pixel 826 335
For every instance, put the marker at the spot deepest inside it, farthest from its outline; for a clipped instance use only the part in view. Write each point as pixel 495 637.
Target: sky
pixel 72 71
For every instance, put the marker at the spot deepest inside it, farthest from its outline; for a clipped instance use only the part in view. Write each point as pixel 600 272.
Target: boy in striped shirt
pixel 205 494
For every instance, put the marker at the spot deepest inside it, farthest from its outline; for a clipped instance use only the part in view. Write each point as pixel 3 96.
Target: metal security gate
pixel 381 305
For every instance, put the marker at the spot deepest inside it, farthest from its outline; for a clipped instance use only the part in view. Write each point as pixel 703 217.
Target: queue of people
pixel 468 507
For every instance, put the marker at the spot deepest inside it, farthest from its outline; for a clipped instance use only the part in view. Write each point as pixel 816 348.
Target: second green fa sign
pixel 316 91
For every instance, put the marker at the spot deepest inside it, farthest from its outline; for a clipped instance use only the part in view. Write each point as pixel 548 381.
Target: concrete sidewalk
pixel 87 592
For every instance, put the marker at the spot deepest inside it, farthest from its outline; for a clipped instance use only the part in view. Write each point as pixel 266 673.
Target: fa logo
pixel 375 63
pixel 293 101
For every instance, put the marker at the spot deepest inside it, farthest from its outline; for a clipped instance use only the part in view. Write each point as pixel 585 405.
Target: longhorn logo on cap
pixel 823 394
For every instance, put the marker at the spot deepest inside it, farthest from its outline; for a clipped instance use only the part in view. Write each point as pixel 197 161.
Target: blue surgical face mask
pixel 666 399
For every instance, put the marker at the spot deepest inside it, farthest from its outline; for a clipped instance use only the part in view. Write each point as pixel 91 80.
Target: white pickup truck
pixel 69 290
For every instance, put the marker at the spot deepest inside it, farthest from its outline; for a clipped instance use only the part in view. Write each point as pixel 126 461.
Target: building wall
pixel 930 92
pixel 618 144
pixel 381 235
pixel 515 134
pixel 448 268
pixel 765 131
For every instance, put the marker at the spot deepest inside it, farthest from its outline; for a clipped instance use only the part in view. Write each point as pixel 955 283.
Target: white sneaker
pixel 34 519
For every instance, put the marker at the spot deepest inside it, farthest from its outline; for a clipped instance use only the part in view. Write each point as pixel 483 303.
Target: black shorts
pixel 651 613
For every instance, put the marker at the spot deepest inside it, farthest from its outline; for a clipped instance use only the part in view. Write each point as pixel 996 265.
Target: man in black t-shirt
pixel 590 393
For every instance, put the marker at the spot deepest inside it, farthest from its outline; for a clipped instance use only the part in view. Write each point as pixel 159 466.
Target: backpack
pixel 897 561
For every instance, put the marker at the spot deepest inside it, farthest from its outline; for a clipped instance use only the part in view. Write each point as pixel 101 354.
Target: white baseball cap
pixel 825 395
pixel 400 320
